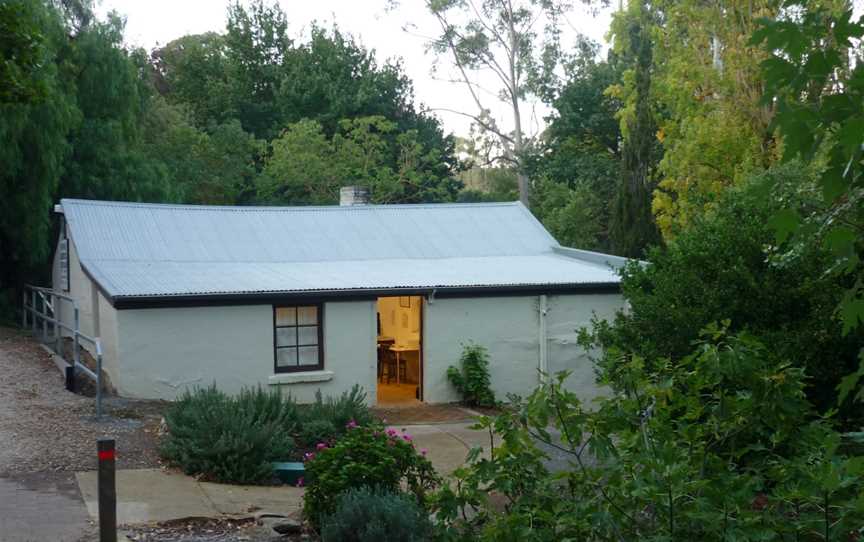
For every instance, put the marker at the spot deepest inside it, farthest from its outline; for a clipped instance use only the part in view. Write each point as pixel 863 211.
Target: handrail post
pixel 43 313
pixel 57 307
pixel 33 307
pixel 98 382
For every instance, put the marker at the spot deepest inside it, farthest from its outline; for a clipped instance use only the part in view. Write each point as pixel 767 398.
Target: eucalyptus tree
pixel 518 43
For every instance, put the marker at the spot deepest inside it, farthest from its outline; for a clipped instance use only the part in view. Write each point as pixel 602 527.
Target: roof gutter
pixel 268 298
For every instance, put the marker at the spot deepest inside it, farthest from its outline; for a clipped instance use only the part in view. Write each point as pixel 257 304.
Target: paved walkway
pixel 147 495
pixel 40 507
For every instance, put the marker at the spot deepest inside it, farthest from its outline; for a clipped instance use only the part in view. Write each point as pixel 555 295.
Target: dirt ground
pixel 423 414
pixel 45 428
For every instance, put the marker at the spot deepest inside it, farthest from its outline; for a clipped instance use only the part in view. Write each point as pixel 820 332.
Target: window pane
pixel 308 355
pixel 307 315
pixel 286 357
pixel 286 336
pixel 286 316
pixel 308 335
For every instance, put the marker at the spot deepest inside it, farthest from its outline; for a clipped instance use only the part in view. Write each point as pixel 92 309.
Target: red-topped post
pixel 107 491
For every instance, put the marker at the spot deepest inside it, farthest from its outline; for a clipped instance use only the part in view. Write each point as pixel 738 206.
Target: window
pixel 298 338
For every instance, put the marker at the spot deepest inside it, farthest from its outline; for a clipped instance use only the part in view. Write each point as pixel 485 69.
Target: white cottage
pixel 309 298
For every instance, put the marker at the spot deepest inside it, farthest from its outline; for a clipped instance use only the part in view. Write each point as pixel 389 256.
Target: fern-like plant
pixel 472 380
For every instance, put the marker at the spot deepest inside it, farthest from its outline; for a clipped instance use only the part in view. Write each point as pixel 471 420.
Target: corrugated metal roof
pixel 135 249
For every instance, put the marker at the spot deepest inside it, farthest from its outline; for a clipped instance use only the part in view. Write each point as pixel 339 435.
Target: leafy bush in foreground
pixel 364 457
pixel 234 439
pixel 228 439
pixel 719 445
pixel 723 267
pixel 370 515
pixel 472 380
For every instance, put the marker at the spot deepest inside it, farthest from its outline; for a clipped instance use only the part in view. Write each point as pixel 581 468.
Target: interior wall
pixel 403 325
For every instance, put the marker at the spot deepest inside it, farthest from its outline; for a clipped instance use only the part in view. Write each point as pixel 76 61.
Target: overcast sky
pixel 150 23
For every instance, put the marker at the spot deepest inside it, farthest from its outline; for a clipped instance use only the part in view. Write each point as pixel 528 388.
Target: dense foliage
pixel 372 457
pixel 720 444
pixel 235 438
pixel 719 268
pixel 815 75
pixel 471 379
pixel 577 169
pixel 373 515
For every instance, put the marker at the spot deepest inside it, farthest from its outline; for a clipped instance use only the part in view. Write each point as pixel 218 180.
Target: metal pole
pixel 44 313
pixel 33 306
pixel 98 383
pixel 107 491
pixel 24 310
pixel 76 344
pixel 56 313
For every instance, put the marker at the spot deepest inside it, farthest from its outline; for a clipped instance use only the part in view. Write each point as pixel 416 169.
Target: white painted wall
pixel 164 351
pixel 88 297
pixel 506 326
pixel 565 315
pixel 509 328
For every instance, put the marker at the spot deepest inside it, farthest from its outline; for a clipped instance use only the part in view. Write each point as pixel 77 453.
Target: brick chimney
pixel 353 195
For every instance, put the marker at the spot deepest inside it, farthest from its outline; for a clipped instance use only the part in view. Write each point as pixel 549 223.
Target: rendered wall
pixel 509 327
pixel 565 315
pixel 163 352
pixel 506 326
pixel 85 292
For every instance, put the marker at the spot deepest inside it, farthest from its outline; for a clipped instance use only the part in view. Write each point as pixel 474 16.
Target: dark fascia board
pixel 269 298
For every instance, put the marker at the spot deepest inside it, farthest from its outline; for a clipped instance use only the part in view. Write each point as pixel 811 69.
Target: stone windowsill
pixel 298 378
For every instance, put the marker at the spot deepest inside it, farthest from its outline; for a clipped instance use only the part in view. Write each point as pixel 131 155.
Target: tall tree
pixel 38 113
pixel 111 96
pixel 715 130
pixel 501 38
pixel 577 168
pixel 633 227
pixel 257 46
pixel 308 167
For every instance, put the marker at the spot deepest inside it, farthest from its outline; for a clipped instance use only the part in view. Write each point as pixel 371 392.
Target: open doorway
pixel 400 351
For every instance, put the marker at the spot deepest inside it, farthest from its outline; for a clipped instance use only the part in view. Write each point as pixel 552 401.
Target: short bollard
pixel 107 491
pixel 70 378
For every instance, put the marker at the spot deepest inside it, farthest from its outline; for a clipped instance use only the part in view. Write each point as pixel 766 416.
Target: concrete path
pixel 447 444
pixel 152 495
pixel 42 506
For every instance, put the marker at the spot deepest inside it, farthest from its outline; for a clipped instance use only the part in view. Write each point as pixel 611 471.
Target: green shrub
pixel 372 515
pixel 364 457
pixel 228 439
pixel 722 267
pixel 234 439
pixel 721 444
pixel 473 380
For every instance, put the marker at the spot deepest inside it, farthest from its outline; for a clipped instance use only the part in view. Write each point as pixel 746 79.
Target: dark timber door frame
pixel 420 356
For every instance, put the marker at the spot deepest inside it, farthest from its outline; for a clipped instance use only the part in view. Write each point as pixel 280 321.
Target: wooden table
pixel 398 349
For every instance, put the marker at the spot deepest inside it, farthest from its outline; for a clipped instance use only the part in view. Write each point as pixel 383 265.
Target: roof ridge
pixel 285 208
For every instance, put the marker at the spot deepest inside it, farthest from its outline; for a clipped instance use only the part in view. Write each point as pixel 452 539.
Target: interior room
pixel 399 358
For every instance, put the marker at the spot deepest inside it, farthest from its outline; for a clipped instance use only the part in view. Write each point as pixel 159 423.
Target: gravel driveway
pixel 44 428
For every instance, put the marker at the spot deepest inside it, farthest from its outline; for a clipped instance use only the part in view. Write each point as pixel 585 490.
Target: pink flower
pixel 351 425
pixel 406 437
pixel 300 482
pixel 423 451
pixel 321 446
pixel 308 456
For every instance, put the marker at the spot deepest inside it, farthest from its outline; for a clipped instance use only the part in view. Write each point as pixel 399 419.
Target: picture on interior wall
pixel 405 301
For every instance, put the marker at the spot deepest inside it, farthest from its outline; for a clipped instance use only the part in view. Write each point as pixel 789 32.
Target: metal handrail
pixel 48 297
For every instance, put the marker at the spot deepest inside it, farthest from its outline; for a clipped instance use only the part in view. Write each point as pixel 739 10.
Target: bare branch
pixel 479 120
